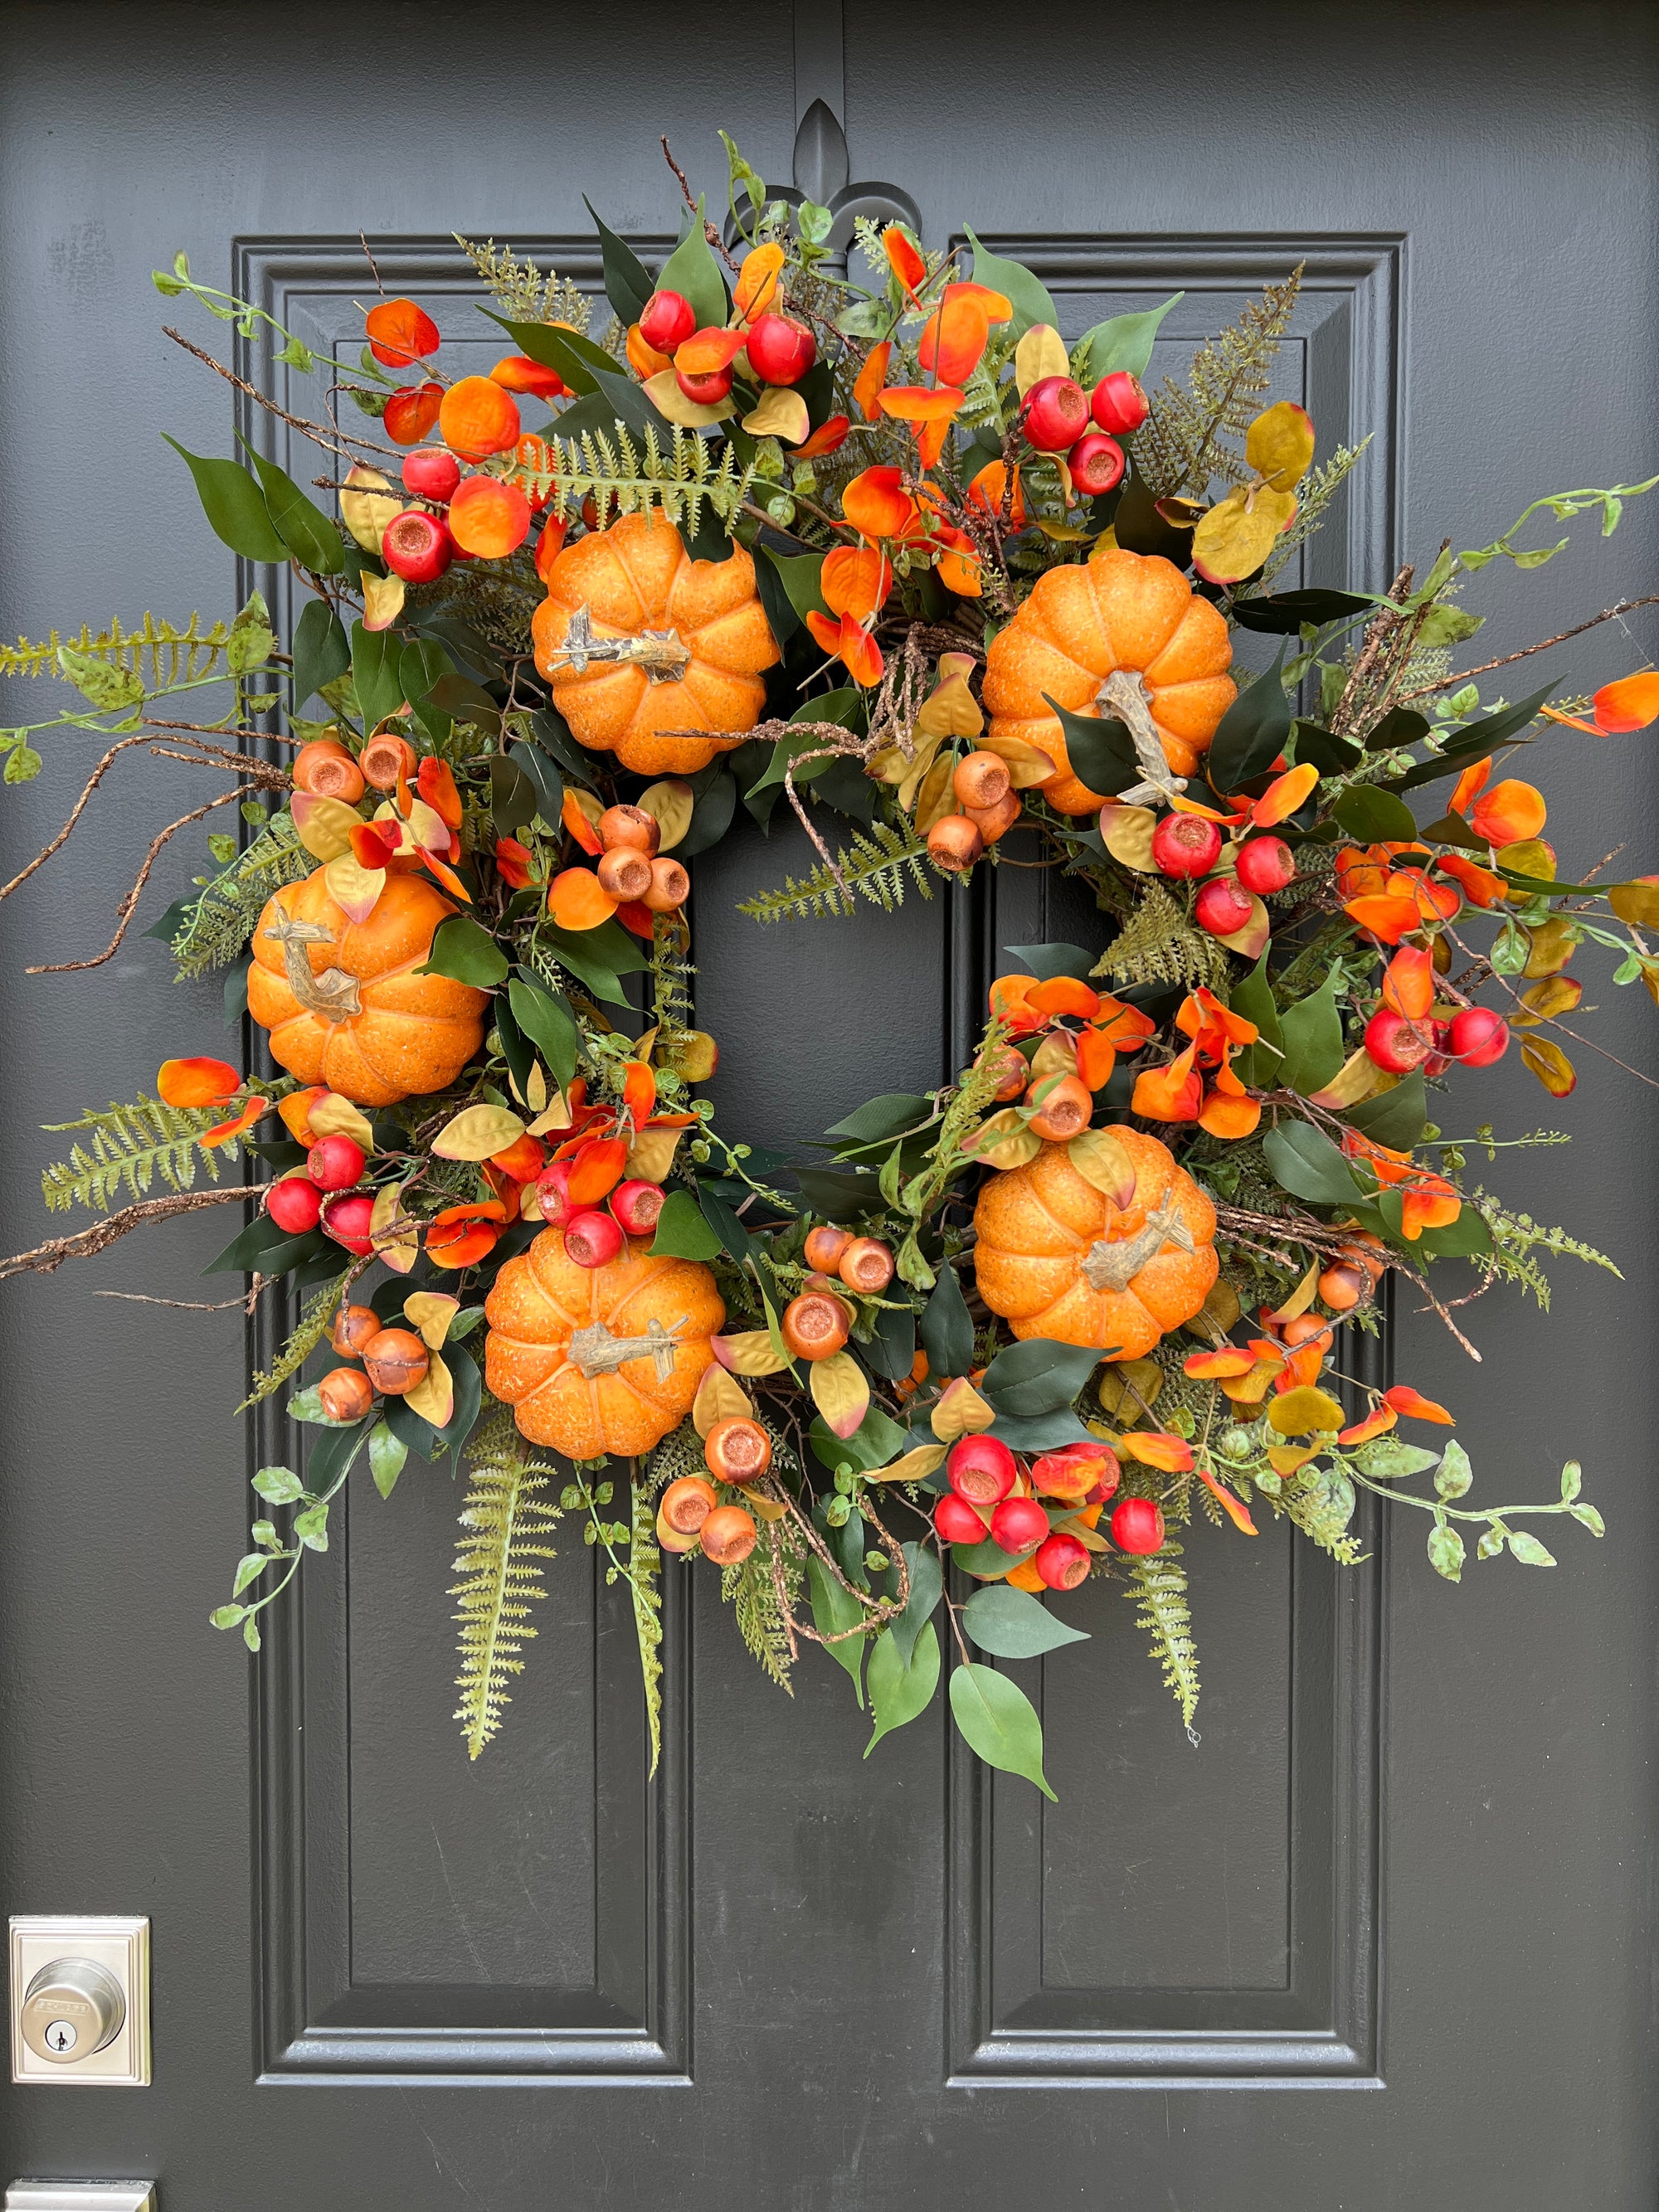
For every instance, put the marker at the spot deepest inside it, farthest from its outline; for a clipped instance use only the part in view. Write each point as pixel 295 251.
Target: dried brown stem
pixel 102 1234
pixel 717 244
pixel 1608 614
pixel 124 911
pixel 76 813
pixel 338 445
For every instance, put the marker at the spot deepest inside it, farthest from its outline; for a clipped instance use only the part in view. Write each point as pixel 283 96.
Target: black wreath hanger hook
pixel 821 170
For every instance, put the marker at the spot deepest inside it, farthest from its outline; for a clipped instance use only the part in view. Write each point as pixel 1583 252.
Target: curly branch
pixel 124 911
pixel 102 1234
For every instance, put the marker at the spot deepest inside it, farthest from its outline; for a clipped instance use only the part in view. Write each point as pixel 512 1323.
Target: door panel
pixel 1408 1854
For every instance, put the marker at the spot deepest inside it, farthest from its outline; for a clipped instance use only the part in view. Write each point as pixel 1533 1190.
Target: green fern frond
pixel 1516 1237
pixel 308 1333
pixel 679 1453
pixel 131 1146
pixel 527 296
pixel 1182 443
pixel 875 866
pixel 1161 1585
pixel 508 1523
pixel 1158 945
pixel 623 476
pixel 219 924
pixel 645 1586
pixel 1313 495
pixel 162 652
pixel 749 1589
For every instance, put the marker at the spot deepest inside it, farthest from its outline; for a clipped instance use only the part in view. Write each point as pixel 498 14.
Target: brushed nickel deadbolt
pixel 80 2000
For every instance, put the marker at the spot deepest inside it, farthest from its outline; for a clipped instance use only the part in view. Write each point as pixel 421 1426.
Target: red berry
pixel 1222 907
pixel 780 350
pixel 1186 845
pixel 591 1239
pixel 637 1205
pixel 1397 1044
pixel 667 320
pixel 957 1523
pixel 1477 1036
pixel 294 1203
pixel 553 1194
pixel 417 546
pixel 336 1163
pixel 346 1218
pixel 1137 1525
pixel 1265 864
pixel 980 1469
pixel 430 472
pixel 1056 414
pixel 705 391
pixel 1018 1524
pixel 1096 463
pixel 1118 403
pixel 1062 1562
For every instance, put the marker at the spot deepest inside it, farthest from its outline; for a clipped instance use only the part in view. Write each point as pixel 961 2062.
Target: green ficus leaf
pixel 947 1327
pixel 1308 1165
pixel 234 506
pixel 927 1586
pixel 1039 1375
pixel 1312 1032
pixel 834 1610
pixel 628 283
pixel 1027 295
pixel 1253 732
pixel 682 1231
pixel 692 271
pixel 1012 1623
pixel 900 1691
pixel 465 952
pixel 322 651
pixel 306 532
pixel 548 1022
pixel 1100 748
pixel 1122 341
pixel 375 657
pixel 1374 815
pixel 387 1454
pixel 999 1723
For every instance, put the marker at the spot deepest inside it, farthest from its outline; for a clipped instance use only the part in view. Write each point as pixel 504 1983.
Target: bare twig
pixel 102 1234
pixel 1609 614
pixel 374 266
pixel 338 445
pixel 76 813
pixel 124 911
pixel 709 230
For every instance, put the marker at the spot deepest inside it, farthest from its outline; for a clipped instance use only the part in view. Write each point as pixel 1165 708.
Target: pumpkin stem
pixel 1124 695
pixel 333 996
pixel 661 652
pixel 594 1351
pixel 1109 1267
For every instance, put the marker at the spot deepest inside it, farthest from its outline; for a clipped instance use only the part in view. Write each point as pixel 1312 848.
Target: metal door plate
pixel 118 1942
pixel 81 2196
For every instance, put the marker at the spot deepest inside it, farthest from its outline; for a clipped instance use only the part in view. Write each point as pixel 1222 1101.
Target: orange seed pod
pixel 982 779
pixel 624 873
pixel 954 844
pixel 1066 1109
pixel 825 1247
pixel 687 1504
pixel 384 758
pixel 396 1361
pixel 737 1450
pixel 815 1325
pixel 327 770
pixel 345 1395
pixel 631 826
pixel 866 1266
pixel 353 1328
pixel 728 1535
pixel 992 821
pixel 670 887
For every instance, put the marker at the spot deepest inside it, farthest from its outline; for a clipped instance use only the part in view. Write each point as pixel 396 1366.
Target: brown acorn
pixel 737 1450
pixel 669 888
pixel 866 1266
pixel 385 757
pixel 629 827
pixel 345 1393
pixel 825 1247
pixel 353 1327
pixel 992 821
pixel 815 1325
pixel 396 1361
pixel 954 844
pixel 980 781
pixel 728 1535
pixel 624 872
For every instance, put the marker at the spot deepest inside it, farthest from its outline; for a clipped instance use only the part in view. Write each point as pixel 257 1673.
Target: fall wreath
pixel 884 550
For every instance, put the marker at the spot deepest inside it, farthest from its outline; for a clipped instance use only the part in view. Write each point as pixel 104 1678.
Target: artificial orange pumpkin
pixel 599 1359
pixel 342 1002
pixel 1130 611
pixel 1058 1257
pixel 637 640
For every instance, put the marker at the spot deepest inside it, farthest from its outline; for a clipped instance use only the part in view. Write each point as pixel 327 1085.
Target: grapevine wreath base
pixel 893 555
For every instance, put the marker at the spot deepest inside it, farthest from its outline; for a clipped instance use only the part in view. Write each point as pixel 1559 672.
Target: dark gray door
pixel 1407 1870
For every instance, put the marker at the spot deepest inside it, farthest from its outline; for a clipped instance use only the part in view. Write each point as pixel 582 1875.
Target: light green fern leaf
pixel 1158 945
pixel 308 1333
pixel 219 924
pixel 1161 1586
pixel 644 1582
pixel 750 1591
pixel 131 1146
pixel 527 296
pixel 162 653
pixel 507 1523
pixel 623 476
pixel 880 867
